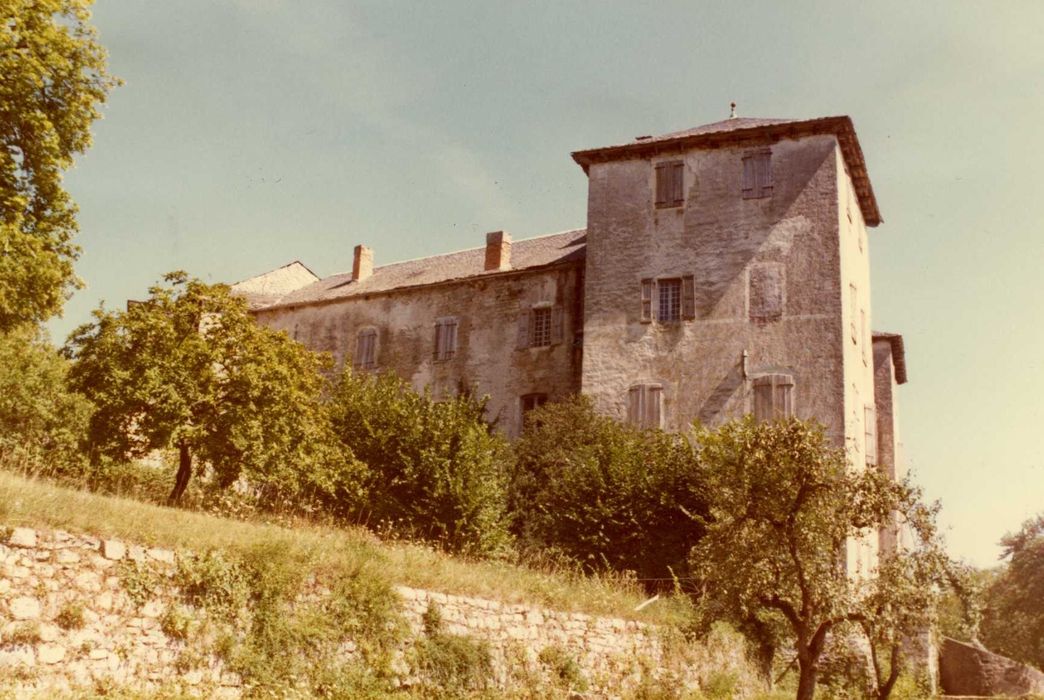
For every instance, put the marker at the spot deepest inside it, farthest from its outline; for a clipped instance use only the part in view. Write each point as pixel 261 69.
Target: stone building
pixel 723 270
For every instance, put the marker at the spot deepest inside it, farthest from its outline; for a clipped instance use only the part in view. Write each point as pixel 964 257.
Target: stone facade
pixel 719 265
pixel 115 641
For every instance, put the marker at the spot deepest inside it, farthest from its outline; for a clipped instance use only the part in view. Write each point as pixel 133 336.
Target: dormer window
pixel 757 175
pixel 670 184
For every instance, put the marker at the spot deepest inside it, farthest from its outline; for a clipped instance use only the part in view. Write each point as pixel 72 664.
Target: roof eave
pixel 841 127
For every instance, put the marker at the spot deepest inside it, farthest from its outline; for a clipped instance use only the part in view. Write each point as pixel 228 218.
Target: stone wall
pixel 969 670
pixel 70 621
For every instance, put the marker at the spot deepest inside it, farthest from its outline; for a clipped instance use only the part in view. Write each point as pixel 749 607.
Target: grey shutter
pixel 646 299
pixel 661 184
pixel 764 174
pixel 523 329
pixel 677 183
pixel 748 177
pixel 439 332
pixel 688 297
pixel 557 331
pixel 451 337
pixel 762 401
pixel 653 407
pixel 634 405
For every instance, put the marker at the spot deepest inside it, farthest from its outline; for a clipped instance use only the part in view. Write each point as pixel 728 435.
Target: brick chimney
pixel 498 251
pixel 362 266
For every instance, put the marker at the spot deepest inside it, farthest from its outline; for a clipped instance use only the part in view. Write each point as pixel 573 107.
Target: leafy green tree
pixel 605 494
pixel 54 79
pixel 783 506
pixel 41 422
pixel 1013 616
pixel 190 369
pixel 435 469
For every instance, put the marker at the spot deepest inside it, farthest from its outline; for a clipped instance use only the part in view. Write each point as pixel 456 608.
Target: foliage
pixel 786 500
pixel 450 665
pixel 565 671
pixel 70 617
pixel 435 469
pixel 960 607
pixel 138 580
pixel 1013 617
pixel 41 422
pixel 54 79
pixel 190 369
pixel 606 495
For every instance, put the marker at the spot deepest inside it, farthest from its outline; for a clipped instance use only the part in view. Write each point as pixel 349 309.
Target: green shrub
pixel 139 580
pixel 606 495
pixel 211 581
pixel 450 665
pixel 176 622
pixel 41 422
pixel 70 617
pixel 435 469
pixel 564 669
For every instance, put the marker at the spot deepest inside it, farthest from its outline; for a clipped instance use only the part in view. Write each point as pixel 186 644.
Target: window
pixel 757 175
pixel 670 300
pixel 773 397
pixel 645 405
pixel 540 326
pixel 675 299
pixel 670 184
pixel 870 433
pixel 445 338
pixel 366 349
pixel 528 403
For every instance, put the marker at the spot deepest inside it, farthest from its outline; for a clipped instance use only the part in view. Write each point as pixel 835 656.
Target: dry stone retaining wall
pixel 68 620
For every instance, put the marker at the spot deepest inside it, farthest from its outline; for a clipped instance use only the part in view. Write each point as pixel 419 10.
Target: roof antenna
pixel 732 112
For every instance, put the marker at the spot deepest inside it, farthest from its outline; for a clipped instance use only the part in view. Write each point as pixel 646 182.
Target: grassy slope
pixel 39 504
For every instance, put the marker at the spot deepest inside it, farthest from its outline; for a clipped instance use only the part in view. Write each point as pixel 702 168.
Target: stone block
pixel 113 550
pixel 50 653
pixel 22 537
pixel 25 608
pixel 49 633
pixel 163 555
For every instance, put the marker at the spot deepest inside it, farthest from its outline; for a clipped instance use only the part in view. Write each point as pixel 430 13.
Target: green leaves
pixel 54 79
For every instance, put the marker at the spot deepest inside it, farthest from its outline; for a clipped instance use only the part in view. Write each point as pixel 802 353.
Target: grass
pixel 328 551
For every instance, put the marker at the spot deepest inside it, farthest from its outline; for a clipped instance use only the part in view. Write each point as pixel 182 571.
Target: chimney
pixel 498 251
pixel 362 266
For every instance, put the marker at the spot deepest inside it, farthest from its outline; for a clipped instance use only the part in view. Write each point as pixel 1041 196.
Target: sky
pixel 251 133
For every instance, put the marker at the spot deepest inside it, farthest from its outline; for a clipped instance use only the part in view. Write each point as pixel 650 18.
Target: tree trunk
pixel 184 474
pixel 764 655
pixel 807 676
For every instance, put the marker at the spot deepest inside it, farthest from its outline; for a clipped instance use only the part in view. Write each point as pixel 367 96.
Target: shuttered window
pixel 757 175
pixel 445 338
pixel 645 406
pixel 688 290
pixel 647 295
pixel 541 326
pixel 670 300
pixel 527 403
pixel 670 184
pixel 365 349
pixel 773 397
pixel 870 433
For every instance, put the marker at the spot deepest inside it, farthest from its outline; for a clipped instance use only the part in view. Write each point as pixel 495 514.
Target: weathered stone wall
pixel 121 642
pixel 487 360
pixel 718 237
pixel 968 670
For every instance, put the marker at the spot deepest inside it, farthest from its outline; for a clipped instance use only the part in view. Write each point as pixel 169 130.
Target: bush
pixel 606 495
pixel 435 469
pixel 451 665
pixel 41 421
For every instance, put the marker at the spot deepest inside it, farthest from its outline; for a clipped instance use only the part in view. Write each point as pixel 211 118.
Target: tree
pixel 41 422
pixel 54 79
pixel 435 469
pixel 190 369
pixel 606 495
pixel 1013 616
pixel 783 507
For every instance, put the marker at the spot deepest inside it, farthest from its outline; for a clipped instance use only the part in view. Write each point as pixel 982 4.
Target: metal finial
pixel 732 112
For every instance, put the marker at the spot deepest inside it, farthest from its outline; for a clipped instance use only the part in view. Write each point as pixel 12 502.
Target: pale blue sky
pixel 253 133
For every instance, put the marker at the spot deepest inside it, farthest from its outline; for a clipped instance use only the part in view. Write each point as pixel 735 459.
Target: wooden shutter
pixel 439 332
pixel 634 405
pixel 688 297
pixel 764 174
pixel 661 184
pixel 647 296
pixel 749 177
pixel 677 191
pixel 451 337
pixel 653 408
pixel 523 329
pixel 762 401
pixel 557 322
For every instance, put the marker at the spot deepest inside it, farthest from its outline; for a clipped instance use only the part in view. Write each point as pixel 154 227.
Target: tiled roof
pixel 739 129
pixel 898 353
pixel 568 246
pixel 268 287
